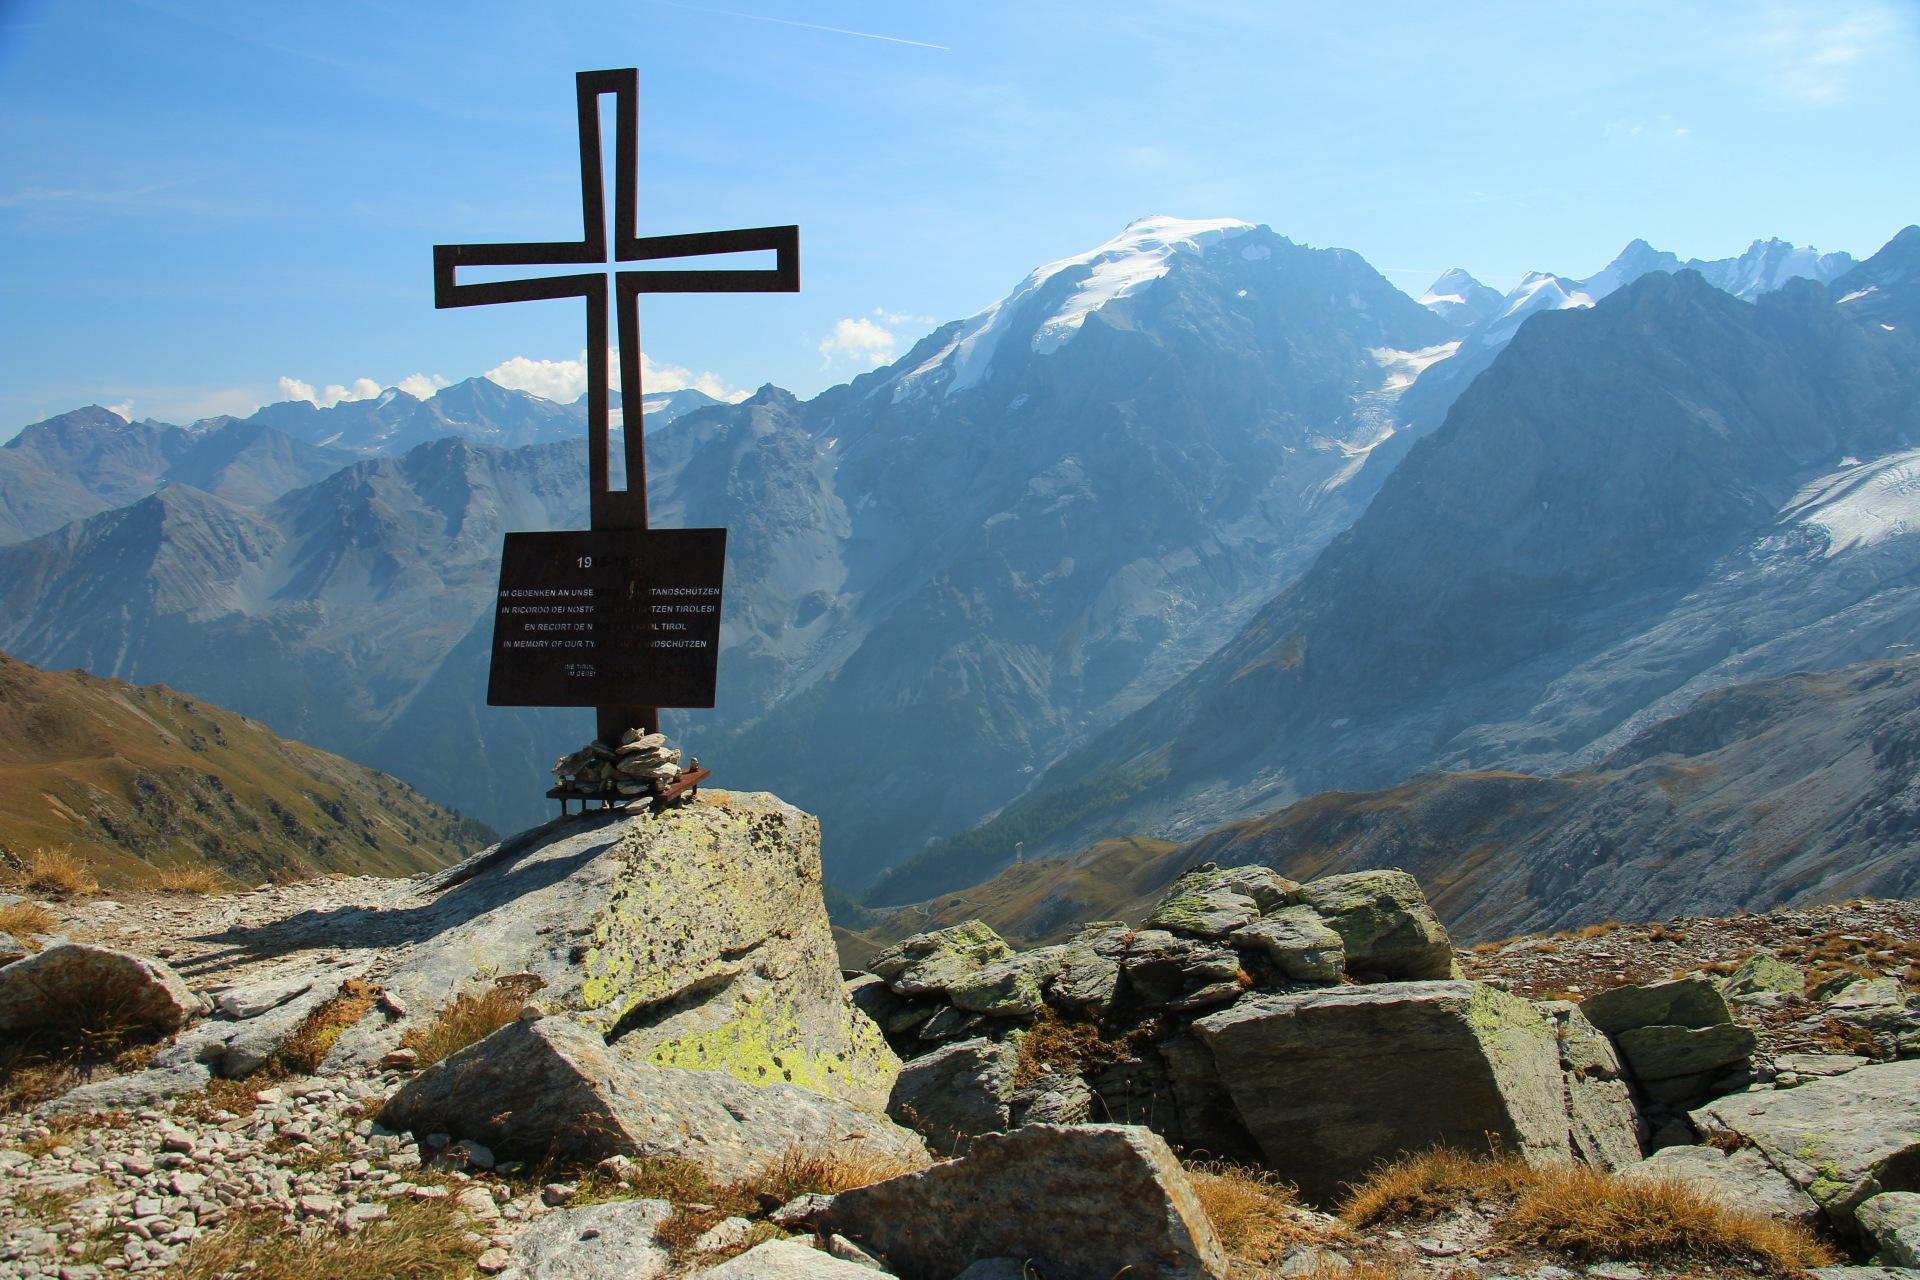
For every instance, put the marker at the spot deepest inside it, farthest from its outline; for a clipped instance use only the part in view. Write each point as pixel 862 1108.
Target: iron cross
pixel 615 508
pixel 611 508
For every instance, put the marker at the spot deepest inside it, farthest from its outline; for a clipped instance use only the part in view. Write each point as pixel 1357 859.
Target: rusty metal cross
pixel 615 508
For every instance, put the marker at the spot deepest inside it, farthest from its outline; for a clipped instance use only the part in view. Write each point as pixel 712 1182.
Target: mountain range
pixel 1003 573
pixel 1634 504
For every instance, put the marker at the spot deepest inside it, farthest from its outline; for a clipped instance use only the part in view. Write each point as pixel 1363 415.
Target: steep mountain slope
pixel 1780 792
pixel 1635 504
pixel 92 460
pixel 1047 512
pixel 321 613
pixel 135 779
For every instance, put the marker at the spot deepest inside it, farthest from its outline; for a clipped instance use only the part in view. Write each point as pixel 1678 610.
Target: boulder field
pixel 664 1012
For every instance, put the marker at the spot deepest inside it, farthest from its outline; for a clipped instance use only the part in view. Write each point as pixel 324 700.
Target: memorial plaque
pixel 608 617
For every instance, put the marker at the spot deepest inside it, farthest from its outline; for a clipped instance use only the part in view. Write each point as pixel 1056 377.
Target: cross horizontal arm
pixel 448 293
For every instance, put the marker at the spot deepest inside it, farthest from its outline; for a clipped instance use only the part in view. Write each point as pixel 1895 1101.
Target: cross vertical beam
pixel 615 508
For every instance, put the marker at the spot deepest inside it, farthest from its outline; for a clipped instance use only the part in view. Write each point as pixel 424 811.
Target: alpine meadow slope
pixel 139 780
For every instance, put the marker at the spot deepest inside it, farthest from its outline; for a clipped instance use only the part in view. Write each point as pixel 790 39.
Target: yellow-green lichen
pixel 763 1043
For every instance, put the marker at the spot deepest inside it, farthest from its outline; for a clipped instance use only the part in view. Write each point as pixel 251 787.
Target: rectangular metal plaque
pixel 608 617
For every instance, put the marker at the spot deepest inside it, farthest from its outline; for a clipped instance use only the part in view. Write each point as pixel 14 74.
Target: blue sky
pixel 201 200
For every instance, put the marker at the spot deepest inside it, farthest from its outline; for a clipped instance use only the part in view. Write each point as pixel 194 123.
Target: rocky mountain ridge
pixel 1612 522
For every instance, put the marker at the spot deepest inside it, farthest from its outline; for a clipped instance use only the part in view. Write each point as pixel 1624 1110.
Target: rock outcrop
pixel 692 938
pixel 552 1088
pixel 1330 1083
pixel 1112 1200
pixel 75 981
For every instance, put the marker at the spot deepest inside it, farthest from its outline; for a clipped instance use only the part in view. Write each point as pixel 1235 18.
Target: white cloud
pixel 566 380
pixel 330 395
pixel 421 386
pixel 123 410
pixel 859 339
pixel 1809 53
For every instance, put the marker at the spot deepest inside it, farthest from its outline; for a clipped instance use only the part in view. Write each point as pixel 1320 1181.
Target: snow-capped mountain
pixel 1460 300
pixel 1667 493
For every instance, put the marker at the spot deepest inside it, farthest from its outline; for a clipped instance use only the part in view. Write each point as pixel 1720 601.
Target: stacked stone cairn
pixel 642 765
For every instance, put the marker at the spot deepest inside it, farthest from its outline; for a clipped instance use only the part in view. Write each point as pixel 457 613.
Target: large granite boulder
pixel 1678 1038
pixel 956 1093
pixel 693 938
pixel 1383 918
pixel 1076 1202
pixel 73 984
pixel 787 1260
pixel 551 1088
pixel 1329 1083
pixel 1604 1125
pixel 1300 944
pixel 1211 902
pixel 1841 1140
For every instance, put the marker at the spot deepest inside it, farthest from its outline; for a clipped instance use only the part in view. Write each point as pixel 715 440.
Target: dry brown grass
pixel 468 1019
pixel 1591 1215
pixel 1587 931
pixel 1055 1044
pixel 699 1204
pixel 1584 1213
pixel 1430 1182
pixel 56 871
pixel 303 1053
pixel 189 880
pixel 62 1130
pixel 97 1030
pixel 1249 1210
pixel 24 919
pixel 421 1240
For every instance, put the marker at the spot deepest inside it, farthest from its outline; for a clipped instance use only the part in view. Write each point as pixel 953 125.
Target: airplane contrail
pixel 811 26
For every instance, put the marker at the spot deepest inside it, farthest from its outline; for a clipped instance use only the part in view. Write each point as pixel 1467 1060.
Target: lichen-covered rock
pixel 1052 1099
pixel 1009 988
pixel 694 938
pixel 1211 902
pixel 1161 967
pixel 1682 1002
pixel 1892 1221
pixel 1383 919
pixel 1836 1138
pixel 955 1093
pixel 73 983
pixel 1331 1082
pixel 552 1088
pixel 932 963
pixel 1299 942
pixel 1075 1202
pixel 1603 1123
pixel 1761 972
pixel 129 1092
pixel 1664 1053
pixel 1089 969
pixel 1741 1179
